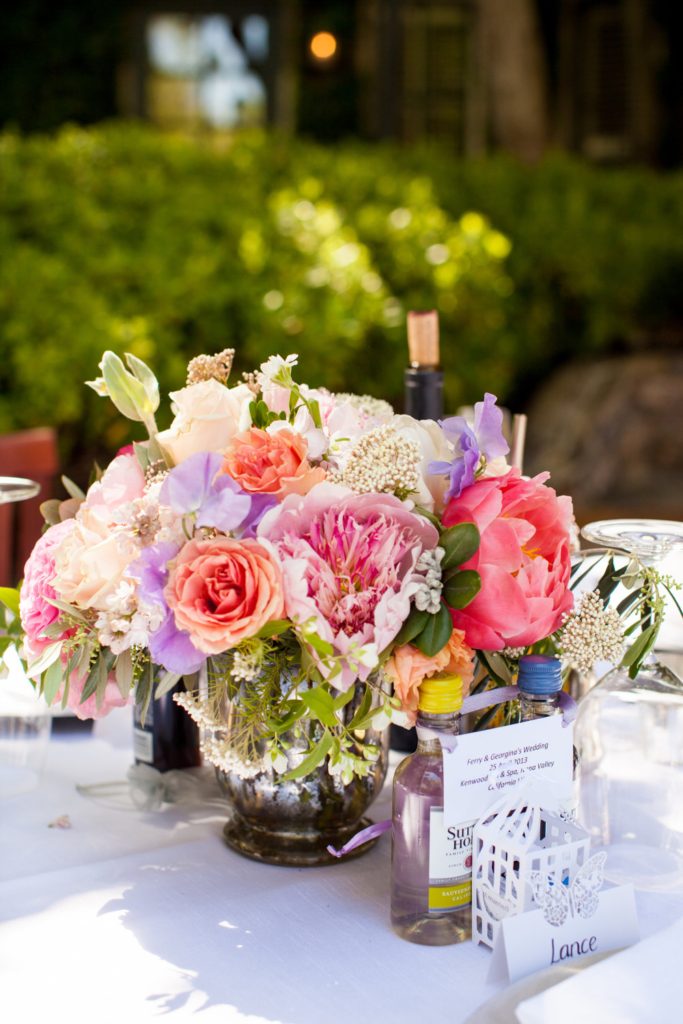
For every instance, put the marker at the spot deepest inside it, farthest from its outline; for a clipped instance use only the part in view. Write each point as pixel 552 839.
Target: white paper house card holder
pixel 520 848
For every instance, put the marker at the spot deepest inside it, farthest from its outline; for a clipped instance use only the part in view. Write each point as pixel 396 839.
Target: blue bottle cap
pixel 539 674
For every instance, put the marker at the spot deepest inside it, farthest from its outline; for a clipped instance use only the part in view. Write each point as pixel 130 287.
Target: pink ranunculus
pixel 37 591
pixel 408 668
pixel 223 591
pixel 88 708
pixel 271 462
pixel 348 565
pixel 523 560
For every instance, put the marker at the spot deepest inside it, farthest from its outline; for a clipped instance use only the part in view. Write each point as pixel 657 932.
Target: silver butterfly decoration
pixel 559 901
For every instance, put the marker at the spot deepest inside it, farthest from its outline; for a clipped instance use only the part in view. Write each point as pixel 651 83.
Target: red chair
pixel 32 454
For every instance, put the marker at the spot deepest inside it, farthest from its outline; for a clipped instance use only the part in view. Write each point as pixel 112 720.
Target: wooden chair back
pixel 32 454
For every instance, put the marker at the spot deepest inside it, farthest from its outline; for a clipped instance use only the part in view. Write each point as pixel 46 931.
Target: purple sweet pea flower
pixel 485 438
pixel 168 645
pixel 194 487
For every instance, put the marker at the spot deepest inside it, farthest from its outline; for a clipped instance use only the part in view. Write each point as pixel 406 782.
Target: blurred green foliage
pixel 124 238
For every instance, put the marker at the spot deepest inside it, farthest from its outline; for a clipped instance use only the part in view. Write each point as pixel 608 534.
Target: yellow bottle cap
pixel 440 695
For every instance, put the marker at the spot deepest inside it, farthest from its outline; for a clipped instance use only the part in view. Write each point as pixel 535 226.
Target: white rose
pixel 207 416
pixel 435 448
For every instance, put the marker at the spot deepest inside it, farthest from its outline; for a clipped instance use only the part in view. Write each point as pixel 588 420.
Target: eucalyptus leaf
pixel 628 601
pixel 312 760
pixel 92 680
pixel 49 510
pixel 496 666
pixel 47 657
pixel 72 489
pixel 166 684
pixel 52 681
pixel 436 633
pixel 639 649
pixel 124 673
pixel 102 678
pixel 460 543
pixel 463 587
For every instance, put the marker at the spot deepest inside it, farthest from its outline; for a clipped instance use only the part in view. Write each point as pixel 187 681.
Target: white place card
pixel 529 942
pixel 485 766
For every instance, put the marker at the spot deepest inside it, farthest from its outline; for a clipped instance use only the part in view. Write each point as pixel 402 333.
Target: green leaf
pixel 142 455
pixel 320 646
pixel 363 709
pixel 629 600
pixel 496 666
pixel 10 598
pixel 413 625
pixel 48 656
pixel 92 680
pixel 312 760
pixel 462 588
pixel 422 511
pixel 639 649
pixel 460 543
pixel 320 703
pixel 52 681
pixel 143 690
pixel 294 709
pixel 436 633
pixel 273 628
pixel 343 699
pixel 102 678
pixel 610 581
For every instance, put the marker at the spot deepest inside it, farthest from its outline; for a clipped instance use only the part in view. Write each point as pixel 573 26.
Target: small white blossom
pixel 591 633
pixel 381 462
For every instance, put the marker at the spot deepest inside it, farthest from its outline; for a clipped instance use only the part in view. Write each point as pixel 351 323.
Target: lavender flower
pixel 471 443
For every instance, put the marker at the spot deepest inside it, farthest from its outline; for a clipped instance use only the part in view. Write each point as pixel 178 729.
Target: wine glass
pixel 17 488
pixel 629 735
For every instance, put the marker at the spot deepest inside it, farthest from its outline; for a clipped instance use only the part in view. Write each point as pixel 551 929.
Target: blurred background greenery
pixel 295 176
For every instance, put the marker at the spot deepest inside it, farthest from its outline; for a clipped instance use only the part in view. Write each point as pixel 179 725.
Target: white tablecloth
pixel 129 916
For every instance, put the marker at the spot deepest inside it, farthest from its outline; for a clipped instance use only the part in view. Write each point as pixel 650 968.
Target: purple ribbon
pixel 364 836
pixel 568 708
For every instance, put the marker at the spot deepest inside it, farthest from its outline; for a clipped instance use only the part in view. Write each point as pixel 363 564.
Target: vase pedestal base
pixel 292 849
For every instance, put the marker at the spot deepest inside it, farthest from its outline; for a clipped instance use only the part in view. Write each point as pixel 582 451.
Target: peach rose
pixel 207 416
pixel 271 463
pixel 408 667
pixel 223 591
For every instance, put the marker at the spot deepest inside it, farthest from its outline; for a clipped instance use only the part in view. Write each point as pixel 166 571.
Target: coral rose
pixel 408 668
pixel 275 462
pixel 222 591
pixel 523 560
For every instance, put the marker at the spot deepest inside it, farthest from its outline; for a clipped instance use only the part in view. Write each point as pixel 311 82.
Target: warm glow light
pixel 323 45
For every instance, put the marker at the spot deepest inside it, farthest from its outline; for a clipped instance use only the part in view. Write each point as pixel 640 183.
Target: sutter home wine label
pixel 450 863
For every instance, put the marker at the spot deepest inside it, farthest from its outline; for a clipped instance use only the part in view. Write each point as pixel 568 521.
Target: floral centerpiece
pixel 303 559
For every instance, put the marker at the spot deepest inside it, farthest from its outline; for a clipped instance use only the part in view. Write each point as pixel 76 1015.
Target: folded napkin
pixel 640 985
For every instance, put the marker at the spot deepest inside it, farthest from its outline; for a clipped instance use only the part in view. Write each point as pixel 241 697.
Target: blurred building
pixel 602 78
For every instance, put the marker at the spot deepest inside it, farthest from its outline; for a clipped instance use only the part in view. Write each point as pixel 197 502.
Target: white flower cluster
pixel 382 462
pixel 591 633
pixel 216 748
pixel 124 622
pixel 246 665
pixel 428 595
pixel 370 408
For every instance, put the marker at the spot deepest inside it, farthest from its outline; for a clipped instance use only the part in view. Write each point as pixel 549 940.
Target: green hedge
pixel 121 237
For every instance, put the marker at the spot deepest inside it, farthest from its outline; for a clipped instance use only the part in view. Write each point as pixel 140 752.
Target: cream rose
pixel 207 416
pixel 91 561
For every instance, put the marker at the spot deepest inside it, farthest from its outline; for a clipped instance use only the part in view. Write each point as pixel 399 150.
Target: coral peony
pixel 408 667
pixel 222 591
pixel 348 563
pixel 523 560
pixel 271 462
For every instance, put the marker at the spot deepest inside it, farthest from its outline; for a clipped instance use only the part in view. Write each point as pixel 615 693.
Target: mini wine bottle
pixel 168 738
pixel 431 858
pixel 423 379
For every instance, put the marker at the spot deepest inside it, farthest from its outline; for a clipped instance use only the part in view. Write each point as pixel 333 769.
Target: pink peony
pixel 36 591
pixel 348 564
pixel 223 591
pixel 523 560
pixel 408 668
pixel 274 462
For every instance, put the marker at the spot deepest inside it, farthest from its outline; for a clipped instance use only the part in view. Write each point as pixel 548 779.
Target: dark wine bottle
pixel 423 399
pixel 423 379
pixel 168 738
